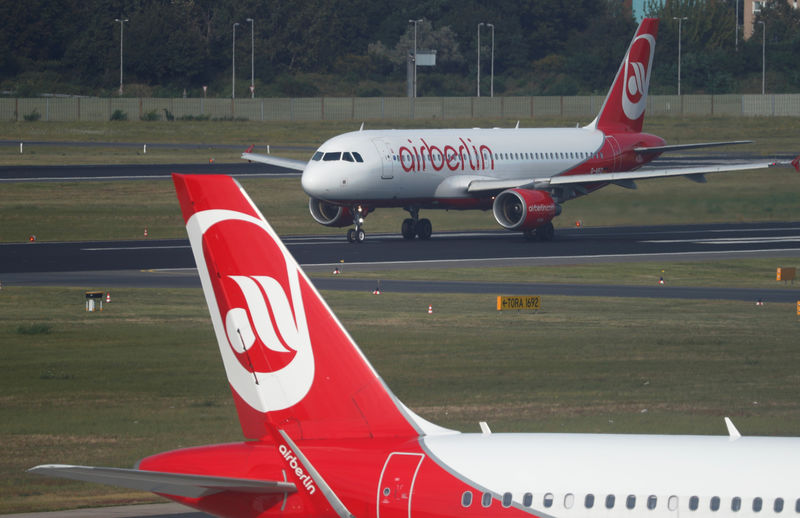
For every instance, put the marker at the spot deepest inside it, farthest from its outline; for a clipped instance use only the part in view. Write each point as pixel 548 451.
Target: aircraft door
pixel 614 148
pixel 387 158
pixel 397 484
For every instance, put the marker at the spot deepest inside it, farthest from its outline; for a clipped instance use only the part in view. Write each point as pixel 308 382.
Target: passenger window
pixel 736 503
pixel 507 498
pixel 797 506
pixel 569 500
pixel 548 500
pixel 347 157
pixel 466 499
pixel 527 499
pixel 714 503
pixel 672 503
pixel 486 500
pixel 610 501
pixel 778 505
pixel 589 501
pixel 694 503
pixel 757 504
pixel 317 156
pixel 332 157
pixel 652 500
pixel 630 502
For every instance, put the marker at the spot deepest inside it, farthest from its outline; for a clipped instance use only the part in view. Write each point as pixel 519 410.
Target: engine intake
pixel 329 214
pixel 524 209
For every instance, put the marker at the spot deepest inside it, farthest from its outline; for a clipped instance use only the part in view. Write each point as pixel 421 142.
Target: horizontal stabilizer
pixel 179 484
pixel 286 163
pixel 682 147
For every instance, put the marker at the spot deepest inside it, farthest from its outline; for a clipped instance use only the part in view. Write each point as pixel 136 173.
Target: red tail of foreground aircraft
pixel 327 438
pixel 522 174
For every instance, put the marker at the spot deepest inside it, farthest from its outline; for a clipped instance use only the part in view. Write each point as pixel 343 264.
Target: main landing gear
pixel 543 233
pixel 414 226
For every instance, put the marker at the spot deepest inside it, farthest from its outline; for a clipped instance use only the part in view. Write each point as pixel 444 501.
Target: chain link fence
pixel 581 108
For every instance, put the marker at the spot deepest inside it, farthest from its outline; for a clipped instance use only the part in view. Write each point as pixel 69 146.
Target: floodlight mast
pixel 121 22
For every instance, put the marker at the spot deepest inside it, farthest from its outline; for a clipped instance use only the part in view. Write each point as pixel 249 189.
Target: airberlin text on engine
pixel 464 155
pixel 302 476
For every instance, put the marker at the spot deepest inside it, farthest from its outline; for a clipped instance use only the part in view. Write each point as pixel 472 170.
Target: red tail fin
pixel 289 361
pixel 623 109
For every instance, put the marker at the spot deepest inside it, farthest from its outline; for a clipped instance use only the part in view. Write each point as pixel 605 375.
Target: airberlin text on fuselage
pixel 304 477
pixel 462 156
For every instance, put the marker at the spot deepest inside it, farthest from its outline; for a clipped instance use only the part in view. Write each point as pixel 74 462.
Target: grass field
pixel 740 273
pixel 109 388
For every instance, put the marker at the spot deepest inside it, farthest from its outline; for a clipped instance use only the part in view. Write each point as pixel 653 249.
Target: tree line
pixel 360 47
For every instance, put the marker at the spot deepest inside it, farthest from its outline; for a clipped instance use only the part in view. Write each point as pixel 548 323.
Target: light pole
pixel 680 21
pixel 491 82
pixel 233 63
pixel 252 62
pixel 736 25
pixel 763 57
pixel 121 35
pixel 479 58
pixel 415 22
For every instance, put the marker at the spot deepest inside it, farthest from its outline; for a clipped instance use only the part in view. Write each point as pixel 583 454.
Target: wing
pixel 286 163
pixel 179 484
pixel 682 147
pixel 624 179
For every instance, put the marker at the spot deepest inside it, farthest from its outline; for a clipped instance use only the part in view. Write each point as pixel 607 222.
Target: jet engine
pixel 328 214
pixel 524 209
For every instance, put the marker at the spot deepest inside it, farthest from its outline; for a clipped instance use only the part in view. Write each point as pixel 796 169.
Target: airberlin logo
pixel 542 207
pixel 304 478
pixel 267 318
pixel 461 156
pixel 638 64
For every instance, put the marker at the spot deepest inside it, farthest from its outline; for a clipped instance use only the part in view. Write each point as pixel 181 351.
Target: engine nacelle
pixel 329 214
pixel 524 209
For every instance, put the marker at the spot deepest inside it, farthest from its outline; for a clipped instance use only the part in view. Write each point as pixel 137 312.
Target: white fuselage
pixel 585 475
pixel 405 165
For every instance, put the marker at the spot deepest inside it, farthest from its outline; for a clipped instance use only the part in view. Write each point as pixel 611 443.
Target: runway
pixel 169 263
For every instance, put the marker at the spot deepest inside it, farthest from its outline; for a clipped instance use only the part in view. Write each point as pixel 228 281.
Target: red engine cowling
pixel 328 214
pixel 524 209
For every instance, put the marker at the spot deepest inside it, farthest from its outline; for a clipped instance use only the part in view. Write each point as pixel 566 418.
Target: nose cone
pixel 317 181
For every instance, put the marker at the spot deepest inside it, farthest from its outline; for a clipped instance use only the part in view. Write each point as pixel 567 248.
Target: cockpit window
pixel 332 157
pixel 347 157
pixel 357 157
pixel 317 156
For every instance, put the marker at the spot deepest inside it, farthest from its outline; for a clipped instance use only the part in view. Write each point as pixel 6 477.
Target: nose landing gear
pixel 357 234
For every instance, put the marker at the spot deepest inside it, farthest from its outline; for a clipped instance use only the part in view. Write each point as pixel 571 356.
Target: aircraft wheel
pixel 407 229
pixel 545 232
pixel 424 228
pixel 351 235
pixel 360 236
pixel 529 235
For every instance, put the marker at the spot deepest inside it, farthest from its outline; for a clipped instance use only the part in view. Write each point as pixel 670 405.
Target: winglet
pixel 796 164
pixel 733 433
pixel 250 149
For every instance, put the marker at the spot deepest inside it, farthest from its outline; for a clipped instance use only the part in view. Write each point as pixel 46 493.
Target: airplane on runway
pixel 523 175
pixel 327 438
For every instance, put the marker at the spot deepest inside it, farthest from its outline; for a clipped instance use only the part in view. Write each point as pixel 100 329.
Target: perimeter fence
pixel 383 108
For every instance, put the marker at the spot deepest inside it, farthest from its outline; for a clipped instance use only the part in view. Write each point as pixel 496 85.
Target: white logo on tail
pixel 637 78
pixel 288 385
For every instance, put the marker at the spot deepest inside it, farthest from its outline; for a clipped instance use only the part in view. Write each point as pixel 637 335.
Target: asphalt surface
pixel 159 263
pixel 64 173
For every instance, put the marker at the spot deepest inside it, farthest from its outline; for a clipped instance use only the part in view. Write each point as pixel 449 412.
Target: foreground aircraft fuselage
pixel 522 175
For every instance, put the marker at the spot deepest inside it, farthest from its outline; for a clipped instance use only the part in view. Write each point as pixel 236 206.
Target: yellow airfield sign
pixel 518 302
